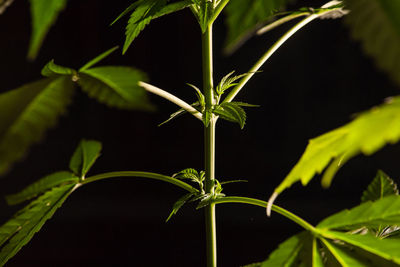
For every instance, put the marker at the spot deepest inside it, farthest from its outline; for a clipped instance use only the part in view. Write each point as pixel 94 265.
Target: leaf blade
pixel 27 112
pixel 115 86
pixel 84 157
pixel 44 14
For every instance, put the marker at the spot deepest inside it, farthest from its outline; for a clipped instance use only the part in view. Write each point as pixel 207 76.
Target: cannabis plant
pixel 365 235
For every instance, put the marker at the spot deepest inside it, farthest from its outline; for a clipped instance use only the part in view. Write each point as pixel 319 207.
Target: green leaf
pixel 44 13
pixel 383 211
pixel 41 186
pixel 227 82
pixel 206 117
pixel 143 14
pixel 19 230
pixel 203 11
pixel 115 86
pixel 380 187
pixel 388 249
pixel 84 157
pixel 27 112
pixel 52 70
pixel 343 256
pixel 200 96
pixel 245 16
pixel 317 259
pixel 188 173
pixel 178 204
pixel 366 134
pixel 98 59
pixel 376 24
pixel 232 112
pixel 287 252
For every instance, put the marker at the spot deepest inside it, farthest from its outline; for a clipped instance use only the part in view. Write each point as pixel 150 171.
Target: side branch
pixel 170 97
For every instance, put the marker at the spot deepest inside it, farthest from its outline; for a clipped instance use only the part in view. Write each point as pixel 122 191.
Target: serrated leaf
pixel 366 134
pixel 41 186
pixel 115 86
pixel 97 59
pixel 232 112
pixel 388 249
pixel 203 11
pixel 142 16
pixel 84 157
pixel 380 187
pixel 51 70
pixel 19 230
pixel 383 211
pixel 44 13
pixel 178 204
pixel 287 252
pixel 27 112
pixel 244 16
pixel 376 24
pixel 187 173
pixel 200 96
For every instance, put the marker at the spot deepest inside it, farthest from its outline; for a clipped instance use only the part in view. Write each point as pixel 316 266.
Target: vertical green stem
pixel 209 145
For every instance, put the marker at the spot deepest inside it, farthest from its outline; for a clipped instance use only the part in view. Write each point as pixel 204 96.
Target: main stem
pixel 209 146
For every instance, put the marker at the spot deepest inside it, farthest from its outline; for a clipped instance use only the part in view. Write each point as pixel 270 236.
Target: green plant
pixel 365 235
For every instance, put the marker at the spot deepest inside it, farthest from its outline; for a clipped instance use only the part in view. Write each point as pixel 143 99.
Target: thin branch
pixel 4 5
pixel 170 97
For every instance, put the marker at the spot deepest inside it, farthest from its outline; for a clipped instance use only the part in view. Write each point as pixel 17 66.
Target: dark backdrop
pixel 313 84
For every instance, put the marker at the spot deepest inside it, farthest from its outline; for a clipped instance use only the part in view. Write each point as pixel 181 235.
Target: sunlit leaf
pixel 366 134
pixel 84 157
pixel 376 23
pixel 41 186
pixel 343 256
pixel 383 211
pixel 27 112
pixel 19 230
pixel 380 187
pixel 115 86
pixel 388 249
pixel 44 13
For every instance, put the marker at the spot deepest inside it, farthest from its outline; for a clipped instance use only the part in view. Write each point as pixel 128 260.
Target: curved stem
pixel 267 55
pixel 138 174
pixel 263 204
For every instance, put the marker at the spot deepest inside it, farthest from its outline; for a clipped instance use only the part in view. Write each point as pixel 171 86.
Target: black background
pixel 313 84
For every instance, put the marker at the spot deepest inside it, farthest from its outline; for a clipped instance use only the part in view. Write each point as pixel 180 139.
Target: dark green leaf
pixel 27 112
pixel 84 157
pixel 41 186
pixel 376 23
pixel 383 211
pixel 44 13
pixel 98 59
pixel 178 204
pixel 366 134
pixel 115 86
pixel 380 187
pixel 51 69
pixel 130 8
pixel 245 16
pixel 232 112
pixel 19 230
